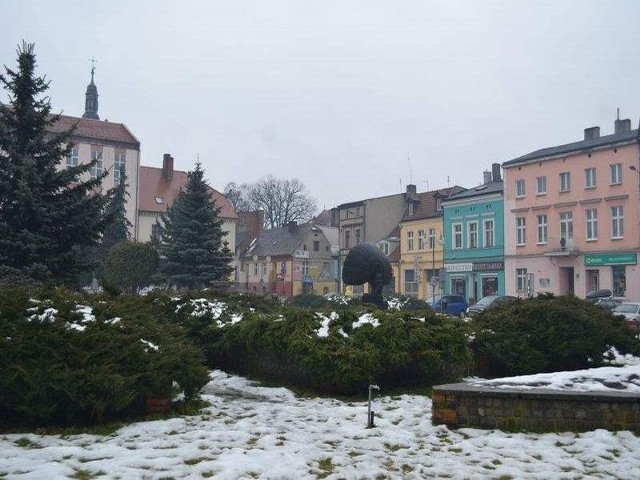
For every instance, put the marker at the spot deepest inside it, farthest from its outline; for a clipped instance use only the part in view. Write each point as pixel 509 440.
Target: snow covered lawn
pixel 257 432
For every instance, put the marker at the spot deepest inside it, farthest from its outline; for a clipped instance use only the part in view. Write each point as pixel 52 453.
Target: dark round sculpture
pixel 367 264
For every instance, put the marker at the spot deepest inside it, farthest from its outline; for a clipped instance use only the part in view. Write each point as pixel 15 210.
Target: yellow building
pixel 420 268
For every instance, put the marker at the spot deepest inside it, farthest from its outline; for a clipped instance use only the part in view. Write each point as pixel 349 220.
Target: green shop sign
pixel 602 259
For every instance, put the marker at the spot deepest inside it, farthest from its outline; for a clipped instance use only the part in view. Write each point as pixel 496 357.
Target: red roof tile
pixel 97 130
pixel 424 203
pixel 153 184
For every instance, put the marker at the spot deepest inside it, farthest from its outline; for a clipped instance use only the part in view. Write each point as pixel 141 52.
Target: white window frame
pixel 542 230
pixel 565 181
pixel 590 177
pixel 432 238
pixel 566 225
pixel 97 168
pixel 73 158
pixel 421 240
pixel 541 185
pixel 410 287
pixel 472 235
pixel 520 188
pixel 617 222
pixel 521 279
pixel 410 213
pixel 456 235
pixel 616 173
pixel 489 233
pixel 591 224
pixel 119 166
pixel 521 231
pixel 410 241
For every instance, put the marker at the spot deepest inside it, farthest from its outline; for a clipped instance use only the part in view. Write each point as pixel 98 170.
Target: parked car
pixel 449 304
pixel 595 295
pixel 630 311
pixel 608 303
pixel 488 302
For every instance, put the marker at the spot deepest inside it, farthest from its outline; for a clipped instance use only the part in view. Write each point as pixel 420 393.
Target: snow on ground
pixel 257 432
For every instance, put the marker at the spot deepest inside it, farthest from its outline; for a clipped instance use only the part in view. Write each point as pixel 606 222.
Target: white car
pixel 630 311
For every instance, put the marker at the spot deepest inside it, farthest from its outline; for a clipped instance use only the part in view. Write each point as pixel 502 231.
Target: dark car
pixel 595 295
pixel 489 301
pixel 449 304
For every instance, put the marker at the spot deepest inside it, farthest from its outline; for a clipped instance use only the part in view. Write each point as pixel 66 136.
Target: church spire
pixel 91 97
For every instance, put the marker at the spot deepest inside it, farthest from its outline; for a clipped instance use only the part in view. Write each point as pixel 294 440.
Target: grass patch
pixel 86 475
pixel 326 467
pixel 393 447
pixel 195 460
pixel 406 468
pixel 208 474
pixel 24 442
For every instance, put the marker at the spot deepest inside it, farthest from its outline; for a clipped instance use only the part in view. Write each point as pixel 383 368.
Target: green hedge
pixel 548 334
pixel 70 359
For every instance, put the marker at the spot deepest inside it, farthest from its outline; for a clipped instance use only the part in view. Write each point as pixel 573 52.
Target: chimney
pixel 486 177
pixel 411 189
pixel 495 172
pixel 591 132
pixel 167 166
pixel 292 226
pixel 621 126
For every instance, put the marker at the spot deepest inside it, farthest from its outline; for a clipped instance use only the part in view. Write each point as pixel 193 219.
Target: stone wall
pixel 540 410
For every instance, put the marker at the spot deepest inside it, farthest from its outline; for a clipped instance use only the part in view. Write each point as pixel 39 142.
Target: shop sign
pixel 301 254
pixel 459 267
pixel 603 259
pixel 487 266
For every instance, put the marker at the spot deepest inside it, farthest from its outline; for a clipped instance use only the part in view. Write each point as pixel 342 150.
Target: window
pixel 438 204
pixel 489 239
pixel 118 167
pixel 316 245
pixel 473 234
pixel 410 209
pixel 617 222
pixel 305 268
pixel 432 238
pixel 358 236
pixel 521 231
pixel 521 279
pixel 410 240
pixel 542 228
pixel 565 181
pixel 421 240
pixel 519 188
pixel 72 158
pixel 410 283
pixel 384 246
pixel 566 225
pixel 542 185
pixel 619 280
pixel 592 224
pixel 590 178
pixel 96 169
pixel 457 235
pixel 158 200
pixel 255 269
pixel 155 232
pixel 347 239
pixel 616 173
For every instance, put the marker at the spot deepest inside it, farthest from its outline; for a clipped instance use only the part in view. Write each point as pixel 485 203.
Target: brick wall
pixel 463 405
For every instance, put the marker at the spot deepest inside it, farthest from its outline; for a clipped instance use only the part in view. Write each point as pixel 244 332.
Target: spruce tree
pixel 46 214
pixel 192 248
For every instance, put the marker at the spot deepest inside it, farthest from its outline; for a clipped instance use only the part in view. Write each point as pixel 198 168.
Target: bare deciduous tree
pixel 281 200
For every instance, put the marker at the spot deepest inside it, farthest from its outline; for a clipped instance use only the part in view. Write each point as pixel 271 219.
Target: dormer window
pixel 410 209
pixel 438 204
pixel 158 200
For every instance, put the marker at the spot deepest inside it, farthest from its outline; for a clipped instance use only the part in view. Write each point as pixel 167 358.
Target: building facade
pixel 113 146
pixel 288 261
pixel 474 240
pixel 572 216
pixel 421 237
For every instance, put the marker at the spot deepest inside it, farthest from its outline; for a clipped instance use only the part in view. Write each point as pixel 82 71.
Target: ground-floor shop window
pixel 458 286
pixel 619 281
pixel 489 286
pixel 410 283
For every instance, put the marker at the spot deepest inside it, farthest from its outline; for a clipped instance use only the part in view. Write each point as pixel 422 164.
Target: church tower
pixel 91 99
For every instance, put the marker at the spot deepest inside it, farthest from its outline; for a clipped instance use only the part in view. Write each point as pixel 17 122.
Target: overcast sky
pixel 354 98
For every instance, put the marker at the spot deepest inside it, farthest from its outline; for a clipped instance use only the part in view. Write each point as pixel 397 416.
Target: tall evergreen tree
pixel 192 249
pixel 46 214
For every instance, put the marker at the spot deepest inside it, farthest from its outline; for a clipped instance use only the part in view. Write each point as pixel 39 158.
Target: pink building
pixel 572 217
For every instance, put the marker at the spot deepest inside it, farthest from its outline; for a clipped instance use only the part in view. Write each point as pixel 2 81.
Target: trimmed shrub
pixel 548 334
pixel 72 359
